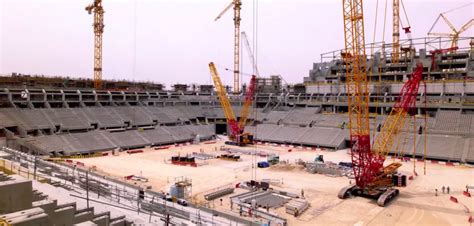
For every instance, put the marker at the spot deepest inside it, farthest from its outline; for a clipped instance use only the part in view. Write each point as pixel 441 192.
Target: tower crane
pixel 396 32
pixel 373 179
pixel 237 136
pixel 396 47
pixel 237 6
pixel 96 8
pixel 455 32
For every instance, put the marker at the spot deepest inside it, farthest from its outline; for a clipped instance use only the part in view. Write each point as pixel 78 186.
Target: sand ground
pixel 416 205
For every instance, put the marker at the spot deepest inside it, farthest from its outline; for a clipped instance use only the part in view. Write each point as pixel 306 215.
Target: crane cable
pixel 372 67
pixel 384 23
pixel 425 130
pixel 134 38
pixel 254 43
pixel 460 7
pixel 406 15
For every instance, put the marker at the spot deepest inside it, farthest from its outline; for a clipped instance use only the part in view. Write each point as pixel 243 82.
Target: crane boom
pixel 396 119
pixel 98 10
pixel 249 51
pixel 248 103
pixel 225 103
pixel 224 11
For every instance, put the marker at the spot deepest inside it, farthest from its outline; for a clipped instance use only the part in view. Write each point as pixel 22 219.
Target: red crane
pixel 373 180
pixel 237 136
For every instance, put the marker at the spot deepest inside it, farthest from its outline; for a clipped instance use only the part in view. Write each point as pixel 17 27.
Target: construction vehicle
pixel 237 136
pixel 373 179
pixel 319 158
pixel 98 10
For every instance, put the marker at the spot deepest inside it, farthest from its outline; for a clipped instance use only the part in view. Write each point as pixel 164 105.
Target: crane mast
pixel 237 4
pixel 237 7
pixel 396 32
pixel 98 10
pixel 357 92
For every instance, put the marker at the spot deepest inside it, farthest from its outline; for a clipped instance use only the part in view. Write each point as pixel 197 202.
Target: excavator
pixel 373 179
pixel 237 135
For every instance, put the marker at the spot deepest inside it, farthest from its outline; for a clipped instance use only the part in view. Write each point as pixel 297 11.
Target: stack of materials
pixel 203 156
pixel 296 206
pixel 246 152
pixel 324 168
pixel 230 157
pixel 219 193
pixel 183 161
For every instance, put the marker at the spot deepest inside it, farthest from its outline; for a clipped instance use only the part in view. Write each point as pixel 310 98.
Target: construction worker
pixel 436 192
pixel 302 193
pixel 296 212
pixel 443 188
pixel 221 202
pixel 447 189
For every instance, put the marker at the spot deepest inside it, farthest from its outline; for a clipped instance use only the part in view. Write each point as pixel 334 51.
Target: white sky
pixel 176 39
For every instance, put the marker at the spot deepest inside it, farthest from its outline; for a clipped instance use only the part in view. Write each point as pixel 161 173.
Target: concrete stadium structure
pixel 63 122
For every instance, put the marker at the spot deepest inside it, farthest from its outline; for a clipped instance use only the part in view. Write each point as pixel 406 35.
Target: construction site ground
pixel 416 204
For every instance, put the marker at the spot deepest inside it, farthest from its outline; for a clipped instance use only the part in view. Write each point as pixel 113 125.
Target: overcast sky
pixel 172 41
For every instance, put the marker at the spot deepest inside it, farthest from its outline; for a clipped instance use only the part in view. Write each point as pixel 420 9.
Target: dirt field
pixel 416 205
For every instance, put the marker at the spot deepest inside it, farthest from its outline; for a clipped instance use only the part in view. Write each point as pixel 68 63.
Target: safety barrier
pixel 98 154
pixel 10 168
pixel 162 147
pixel 134 151
pixel 453 199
